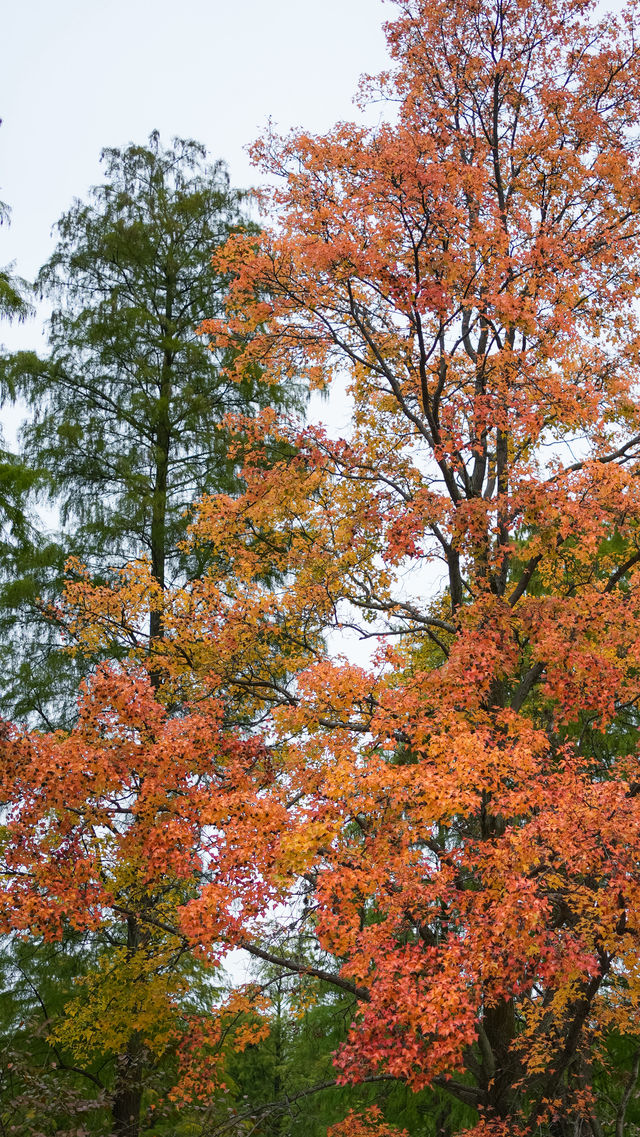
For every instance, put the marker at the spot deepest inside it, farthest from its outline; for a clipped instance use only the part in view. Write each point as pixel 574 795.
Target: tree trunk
pixel 159 498
pixel 499 1027
pixel 127 1093
pixel 127 1096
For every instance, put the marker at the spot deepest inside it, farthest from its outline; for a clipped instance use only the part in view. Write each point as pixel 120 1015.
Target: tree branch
pixel 528 682
pixel 626 1097
pixel 300 968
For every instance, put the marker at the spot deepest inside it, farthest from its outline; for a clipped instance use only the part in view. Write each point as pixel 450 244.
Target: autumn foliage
pixel 455 818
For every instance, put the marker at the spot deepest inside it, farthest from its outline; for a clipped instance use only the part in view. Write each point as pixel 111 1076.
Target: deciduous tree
pixel 456 821
pixel 127 427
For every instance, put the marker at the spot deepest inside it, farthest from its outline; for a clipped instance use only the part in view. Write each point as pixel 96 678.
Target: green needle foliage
pixel 14 302
pixel 126 432
pixel 127 405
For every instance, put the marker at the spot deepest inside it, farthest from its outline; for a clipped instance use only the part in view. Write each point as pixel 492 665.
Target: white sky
pixel 77 75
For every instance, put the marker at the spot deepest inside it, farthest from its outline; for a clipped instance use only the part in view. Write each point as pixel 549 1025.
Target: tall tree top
pixel 128 407
pixel 129 387
pixel 154 201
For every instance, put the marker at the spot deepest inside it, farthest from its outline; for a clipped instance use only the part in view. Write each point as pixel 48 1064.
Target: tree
pixel 128 427
pixel 137 998
pixel 475 263
pixel 127 407
pixel 13 289
pixel 19 543
pixel 42 1088
pixel 456 823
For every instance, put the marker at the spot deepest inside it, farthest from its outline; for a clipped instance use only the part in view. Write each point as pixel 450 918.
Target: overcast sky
pixel 77 75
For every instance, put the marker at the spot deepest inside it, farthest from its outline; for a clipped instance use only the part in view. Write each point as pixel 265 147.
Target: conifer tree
pixel 127 430
pixel 127 406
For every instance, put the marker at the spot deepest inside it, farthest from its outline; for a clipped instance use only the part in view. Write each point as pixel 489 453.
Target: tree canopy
pixel 128 407
pixel 446 835
pixel 130 423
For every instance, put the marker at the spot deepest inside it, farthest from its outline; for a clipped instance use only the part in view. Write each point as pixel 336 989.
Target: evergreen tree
pixel 14 303
pixel 24 552
pixel 127 427
pixel 127 406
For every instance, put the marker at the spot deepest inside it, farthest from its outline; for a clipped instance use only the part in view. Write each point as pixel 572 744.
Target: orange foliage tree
pixel 455 820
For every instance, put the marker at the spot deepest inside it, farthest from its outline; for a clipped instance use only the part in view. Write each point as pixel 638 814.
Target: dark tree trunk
pixel 499 1027
pixel 127 1093
pixel 127 1097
